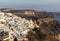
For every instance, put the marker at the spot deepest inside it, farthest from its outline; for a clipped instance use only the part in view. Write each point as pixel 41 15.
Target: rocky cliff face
pixel 44 27
pixel 48 30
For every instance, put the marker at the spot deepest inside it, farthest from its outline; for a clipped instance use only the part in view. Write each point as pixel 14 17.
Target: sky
pixel 42 5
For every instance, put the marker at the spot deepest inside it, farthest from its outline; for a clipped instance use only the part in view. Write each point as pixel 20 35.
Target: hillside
pixel 14 25
pixel 30 24
pixel 48 30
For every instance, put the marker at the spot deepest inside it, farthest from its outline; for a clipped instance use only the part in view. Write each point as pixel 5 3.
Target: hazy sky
pixel 44 5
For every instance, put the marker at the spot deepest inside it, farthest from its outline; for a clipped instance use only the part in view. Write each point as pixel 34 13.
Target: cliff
pixel 48 30
pixel 43 26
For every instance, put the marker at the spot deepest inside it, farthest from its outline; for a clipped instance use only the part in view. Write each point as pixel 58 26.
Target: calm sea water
pixel 57 18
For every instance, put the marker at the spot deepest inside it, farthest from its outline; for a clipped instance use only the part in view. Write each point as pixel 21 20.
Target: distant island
pixel 11 10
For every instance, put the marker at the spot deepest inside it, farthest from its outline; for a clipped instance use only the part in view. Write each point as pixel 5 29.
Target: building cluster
pixel 16 27
pixel 4 35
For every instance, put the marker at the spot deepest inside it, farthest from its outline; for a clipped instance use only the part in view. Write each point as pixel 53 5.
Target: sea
pixel 57 18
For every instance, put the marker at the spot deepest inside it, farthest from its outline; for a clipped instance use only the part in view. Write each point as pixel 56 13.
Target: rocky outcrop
pixel 43 27
pixel 48 30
